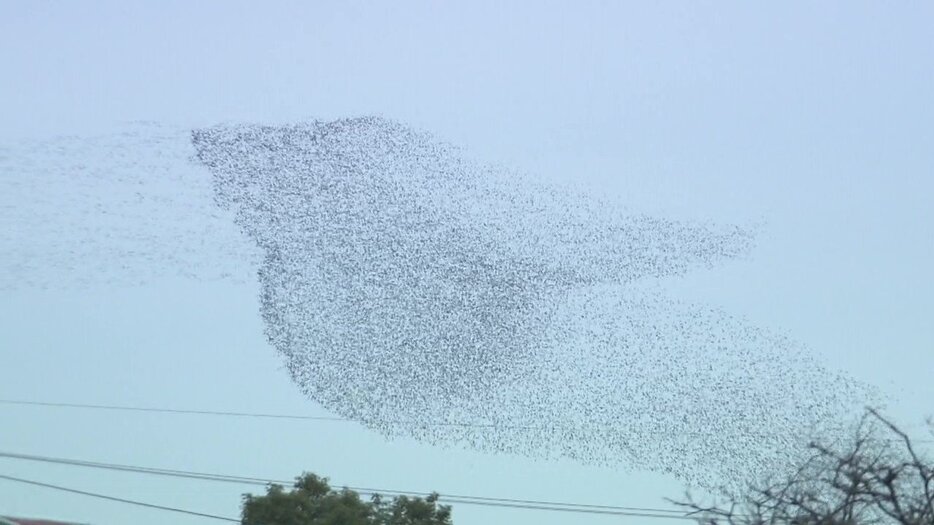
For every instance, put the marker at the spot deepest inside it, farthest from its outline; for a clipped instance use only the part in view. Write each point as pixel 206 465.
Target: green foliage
pixel 313 502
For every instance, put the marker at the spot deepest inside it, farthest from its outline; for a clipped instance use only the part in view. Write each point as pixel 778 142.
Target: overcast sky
pixel 816 120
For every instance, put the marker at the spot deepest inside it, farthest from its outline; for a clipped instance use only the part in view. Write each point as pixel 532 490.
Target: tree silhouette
pixel 312 501
pixel 879 478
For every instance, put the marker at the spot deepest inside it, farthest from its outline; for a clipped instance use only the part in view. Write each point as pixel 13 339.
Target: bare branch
pixel 869 481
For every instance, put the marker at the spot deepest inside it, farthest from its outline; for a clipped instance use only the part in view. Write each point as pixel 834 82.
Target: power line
pixel 299 417
pixel 258 415
pixel 264 481
pixel 116 499
pixel 646 512
pixel 169 410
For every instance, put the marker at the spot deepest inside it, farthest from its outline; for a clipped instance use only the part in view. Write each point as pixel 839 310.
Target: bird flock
pixel 428 295
pixel 113 209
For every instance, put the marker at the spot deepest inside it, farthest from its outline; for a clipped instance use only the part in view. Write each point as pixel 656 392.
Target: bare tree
pixel 879 478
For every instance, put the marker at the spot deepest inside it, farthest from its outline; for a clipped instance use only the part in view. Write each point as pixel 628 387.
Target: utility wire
pixel 247 414
pixel 262 415
pixel 259 415
pixel 116 499
pixel 646 512
pixel 168 410
pixel 468 500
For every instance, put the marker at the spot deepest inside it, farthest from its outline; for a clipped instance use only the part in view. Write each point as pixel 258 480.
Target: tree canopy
pixel 312 501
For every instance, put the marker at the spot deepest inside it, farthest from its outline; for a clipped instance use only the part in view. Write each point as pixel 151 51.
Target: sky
pixel 814 120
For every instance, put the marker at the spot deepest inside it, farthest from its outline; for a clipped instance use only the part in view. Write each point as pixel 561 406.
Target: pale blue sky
pixel 816 119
